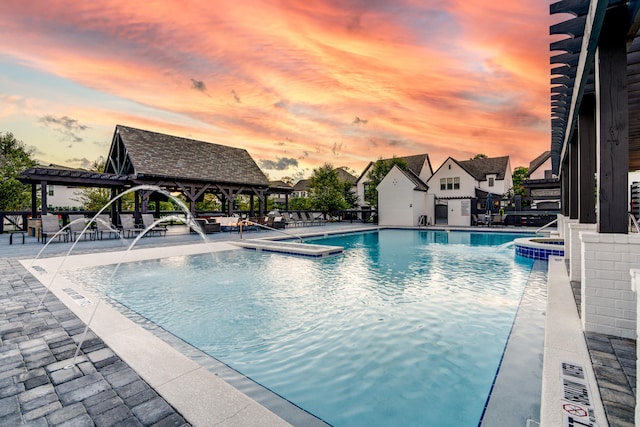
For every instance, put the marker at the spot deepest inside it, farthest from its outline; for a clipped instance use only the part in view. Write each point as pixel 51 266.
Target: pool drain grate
pixel 577 408
pixel 77 297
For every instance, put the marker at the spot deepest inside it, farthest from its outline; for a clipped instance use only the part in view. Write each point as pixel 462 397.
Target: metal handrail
pixel 545 226
pixel 249 222
pixel 634 222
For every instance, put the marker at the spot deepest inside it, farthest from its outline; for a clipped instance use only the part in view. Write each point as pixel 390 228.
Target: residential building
pixel 419 165
pixel 463 190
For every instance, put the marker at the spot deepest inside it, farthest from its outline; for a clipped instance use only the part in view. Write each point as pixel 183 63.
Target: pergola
pixel 595 108
pixel 175 164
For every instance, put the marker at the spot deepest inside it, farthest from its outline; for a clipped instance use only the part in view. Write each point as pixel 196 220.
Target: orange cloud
pixel 287 79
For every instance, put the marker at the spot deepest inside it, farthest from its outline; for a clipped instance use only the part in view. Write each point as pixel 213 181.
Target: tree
pixel 519 175
pixel 14 158
pixel 95 198
pixel 479 156
pixel 377 173
pixel 326 190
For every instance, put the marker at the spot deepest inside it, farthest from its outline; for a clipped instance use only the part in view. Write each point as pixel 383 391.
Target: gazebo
pixel 175 164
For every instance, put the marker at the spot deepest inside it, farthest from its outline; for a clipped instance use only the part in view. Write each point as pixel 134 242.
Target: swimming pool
pixel 406 328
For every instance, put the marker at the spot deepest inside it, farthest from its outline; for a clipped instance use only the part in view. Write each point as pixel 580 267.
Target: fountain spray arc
pixel 190 222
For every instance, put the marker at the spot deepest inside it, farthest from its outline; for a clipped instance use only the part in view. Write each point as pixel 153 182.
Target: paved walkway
pixel 39 384
pixel 36 386
pixel 614 364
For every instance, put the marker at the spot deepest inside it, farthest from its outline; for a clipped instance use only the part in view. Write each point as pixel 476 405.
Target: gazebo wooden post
pixel 43 197
pixel 34 200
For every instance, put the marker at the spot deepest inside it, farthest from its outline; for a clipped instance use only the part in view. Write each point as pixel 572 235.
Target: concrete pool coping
pixel 201 397
pixel 564 342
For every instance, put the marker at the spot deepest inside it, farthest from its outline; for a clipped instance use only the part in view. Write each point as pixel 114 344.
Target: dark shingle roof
pixel 302 185
pixel 343 175
pixel 420 184
pixel 479 168
pixel 167 156
pixel 414 163
pixel 538 161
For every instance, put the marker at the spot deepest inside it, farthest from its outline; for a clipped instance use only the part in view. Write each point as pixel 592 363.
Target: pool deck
pixel 102 389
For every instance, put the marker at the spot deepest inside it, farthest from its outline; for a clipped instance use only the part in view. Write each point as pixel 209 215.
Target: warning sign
pixel 575 410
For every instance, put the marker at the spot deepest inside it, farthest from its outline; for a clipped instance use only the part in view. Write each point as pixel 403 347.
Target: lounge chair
pixel 317 218
pixel 299 219
pixel 128 226
pixel 207 226
pixel 148 220
pixel 77 224
pixel 104 225
pixel 275 222
pixel 51 226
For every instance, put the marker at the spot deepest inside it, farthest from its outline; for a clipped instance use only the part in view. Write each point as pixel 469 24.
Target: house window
pixel 449 184
pixel 490 182
pixel 50 188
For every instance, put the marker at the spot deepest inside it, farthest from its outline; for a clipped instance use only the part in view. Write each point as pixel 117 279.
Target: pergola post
pixel 587 161
pixel 612 123
pixel 573 177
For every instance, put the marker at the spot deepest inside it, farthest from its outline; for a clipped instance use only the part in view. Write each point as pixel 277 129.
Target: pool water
pixel 405 328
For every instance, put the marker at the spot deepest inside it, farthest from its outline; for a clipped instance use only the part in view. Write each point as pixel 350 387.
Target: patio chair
pixel 148 220
pixel 104 225
pixel 51 226
pixel 128 226
pixel 77 224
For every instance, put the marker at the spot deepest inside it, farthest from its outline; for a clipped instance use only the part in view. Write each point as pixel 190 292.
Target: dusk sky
pixel 295 83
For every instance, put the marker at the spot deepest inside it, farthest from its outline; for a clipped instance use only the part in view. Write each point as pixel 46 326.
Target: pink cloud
pixel 426 78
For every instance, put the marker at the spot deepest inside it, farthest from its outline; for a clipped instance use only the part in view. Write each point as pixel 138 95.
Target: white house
pixel 461 188
pixel 419 165
pixel 403 199
pixel 63 197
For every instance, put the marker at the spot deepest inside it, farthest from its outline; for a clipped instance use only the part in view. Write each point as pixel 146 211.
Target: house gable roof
pixel 343 175
pixel 420 184
pixel 480 168
pixel 412 177
pixel 146 154
pixel 302 185
pixel 538 161
pixel 414 163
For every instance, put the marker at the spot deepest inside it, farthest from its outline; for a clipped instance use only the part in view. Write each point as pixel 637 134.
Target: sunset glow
pixel 296 84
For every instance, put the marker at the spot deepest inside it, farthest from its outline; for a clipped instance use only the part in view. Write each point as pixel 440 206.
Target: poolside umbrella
pixel 489 203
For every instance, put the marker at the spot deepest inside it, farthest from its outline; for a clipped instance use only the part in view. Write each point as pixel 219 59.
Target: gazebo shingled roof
pixel 145 154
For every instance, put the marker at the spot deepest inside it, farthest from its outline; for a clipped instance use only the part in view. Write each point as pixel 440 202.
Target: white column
pixel 574 246
pixel 567 236
pixel 608 303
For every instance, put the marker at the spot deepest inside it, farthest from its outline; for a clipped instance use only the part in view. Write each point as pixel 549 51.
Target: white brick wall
pixel 635 286
pixel 608 302
pixel 575 249
pixel 567 236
